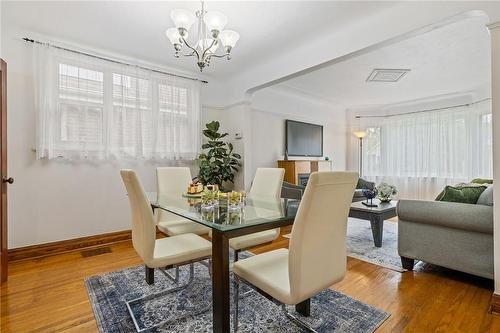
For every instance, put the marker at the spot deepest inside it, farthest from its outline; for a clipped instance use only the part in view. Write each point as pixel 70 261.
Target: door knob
pixel 9 180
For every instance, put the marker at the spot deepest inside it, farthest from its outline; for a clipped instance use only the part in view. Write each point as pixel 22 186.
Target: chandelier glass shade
pixel 210 35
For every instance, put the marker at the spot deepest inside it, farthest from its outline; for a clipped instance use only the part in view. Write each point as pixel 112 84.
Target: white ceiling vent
pixel 386 75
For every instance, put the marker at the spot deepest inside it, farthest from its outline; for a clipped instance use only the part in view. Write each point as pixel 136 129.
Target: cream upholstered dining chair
pixel 161 253
pixel 316 257
pixel 266 183
pixel 175 181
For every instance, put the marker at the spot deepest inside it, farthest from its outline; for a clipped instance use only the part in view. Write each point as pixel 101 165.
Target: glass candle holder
pixel 215 199
pixel 207 200
pixel 243 198
pixel 234 217
pixel 233 201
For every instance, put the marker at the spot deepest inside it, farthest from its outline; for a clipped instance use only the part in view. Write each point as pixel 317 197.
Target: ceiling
pixel 136 29
pixel 450 59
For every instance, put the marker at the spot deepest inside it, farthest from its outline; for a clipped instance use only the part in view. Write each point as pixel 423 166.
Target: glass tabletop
pixel 255 210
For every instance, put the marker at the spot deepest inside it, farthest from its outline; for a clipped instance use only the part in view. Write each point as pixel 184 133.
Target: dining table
pixel 226 220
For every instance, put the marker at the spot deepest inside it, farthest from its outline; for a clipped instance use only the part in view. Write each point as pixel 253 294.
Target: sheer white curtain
pixel 422 152
pixel 96 109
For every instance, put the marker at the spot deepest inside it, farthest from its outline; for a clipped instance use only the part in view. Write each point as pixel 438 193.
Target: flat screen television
pixel 303 139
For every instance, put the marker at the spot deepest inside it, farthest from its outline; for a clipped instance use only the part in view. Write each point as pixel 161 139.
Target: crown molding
pixel 494 25
pixel 461 97
pixel 317 118
pixel 225 107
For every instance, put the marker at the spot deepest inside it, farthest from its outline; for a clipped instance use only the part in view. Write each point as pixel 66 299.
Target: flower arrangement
pixel 386 192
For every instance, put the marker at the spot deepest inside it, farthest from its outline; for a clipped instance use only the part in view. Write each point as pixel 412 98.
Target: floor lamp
pixel 360 135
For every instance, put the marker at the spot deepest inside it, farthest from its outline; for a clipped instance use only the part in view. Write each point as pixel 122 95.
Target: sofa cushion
pixel 486 198
pixel 482 181
pixel 463 193
pixel 365 184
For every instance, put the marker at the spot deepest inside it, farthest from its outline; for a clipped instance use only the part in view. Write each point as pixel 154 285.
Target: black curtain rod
pixel 429 110
pixel 29 40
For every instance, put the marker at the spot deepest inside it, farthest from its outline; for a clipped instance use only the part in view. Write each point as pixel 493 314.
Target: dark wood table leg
pixel 304 307
pixel 150 275
pixel 377 223
pixel 220 282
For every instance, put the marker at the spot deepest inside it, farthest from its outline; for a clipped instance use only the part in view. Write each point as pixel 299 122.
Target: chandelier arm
pixel 220 55
pixel 208 48
pixel 192 48
pixel 189 54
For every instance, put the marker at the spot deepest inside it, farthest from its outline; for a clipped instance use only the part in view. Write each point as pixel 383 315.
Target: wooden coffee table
pixel 376 216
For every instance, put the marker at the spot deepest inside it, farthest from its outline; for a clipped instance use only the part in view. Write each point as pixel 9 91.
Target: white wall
pixel 53 200
pixel 270 108
pixel 495 92
pixel 261 122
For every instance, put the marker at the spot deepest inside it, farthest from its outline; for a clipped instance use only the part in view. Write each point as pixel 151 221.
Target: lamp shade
pixel 229 38
pixel 215 21
pixel 182 18
pixel 173 35
pixel 360 134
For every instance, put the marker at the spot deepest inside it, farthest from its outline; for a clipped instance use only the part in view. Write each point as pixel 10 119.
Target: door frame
pixel 3 173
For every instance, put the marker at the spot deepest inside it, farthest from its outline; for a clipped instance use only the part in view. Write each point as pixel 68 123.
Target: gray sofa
pixel 362 185
pixel 292 191
pixel 453 235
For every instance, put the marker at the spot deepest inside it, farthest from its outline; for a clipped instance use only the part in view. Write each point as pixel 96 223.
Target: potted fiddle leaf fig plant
pixel 218 162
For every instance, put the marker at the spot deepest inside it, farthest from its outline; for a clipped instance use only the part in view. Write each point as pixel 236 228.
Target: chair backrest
pixel 317 250
pixel 173 180
pixel 267 182
pixel 143 225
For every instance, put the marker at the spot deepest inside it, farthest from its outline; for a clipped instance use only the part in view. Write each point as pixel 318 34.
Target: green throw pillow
pixel 464 193
pixel 482 181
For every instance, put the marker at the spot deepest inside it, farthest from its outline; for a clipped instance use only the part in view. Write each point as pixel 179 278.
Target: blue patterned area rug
pixel 360 244
pixel 331 311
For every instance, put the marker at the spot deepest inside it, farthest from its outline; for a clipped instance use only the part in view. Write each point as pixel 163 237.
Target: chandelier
pixel 210 35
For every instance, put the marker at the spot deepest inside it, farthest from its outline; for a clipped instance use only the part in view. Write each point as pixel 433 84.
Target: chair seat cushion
pixel 179 249
pixel 179 226
pixel 246 241
pixel 268 272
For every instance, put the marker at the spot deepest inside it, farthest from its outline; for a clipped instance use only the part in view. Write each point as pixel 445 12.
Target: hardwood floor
pixel 48 294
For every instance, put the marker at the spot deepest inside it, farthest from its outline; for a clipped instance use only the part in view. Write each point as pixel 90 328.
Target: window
pixel 95 109
pixel 420 153
pixel 132 113
pixel 371 150
pixel 485 145
pixel 80 105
